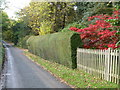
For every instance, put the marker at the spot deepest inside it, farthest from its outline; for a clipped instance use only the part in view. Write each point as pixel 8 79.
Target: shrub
pixel 75 24
pixel 22 42
pixel 2 56
pixel 59 47
pixel 103 34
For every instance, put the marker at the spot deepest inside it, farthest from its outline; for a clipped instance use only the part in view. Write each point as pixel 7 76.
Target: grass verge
pixel 75 78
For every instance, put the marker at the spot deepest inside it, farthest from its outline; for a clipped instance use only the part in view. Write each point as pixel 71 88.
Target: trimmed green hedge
pixel 59 47
pixel 2 56
pixel 22 42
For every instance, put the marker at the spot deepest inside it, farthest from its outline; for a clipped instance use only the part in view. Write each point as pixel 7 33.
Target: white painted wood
pixel 103 63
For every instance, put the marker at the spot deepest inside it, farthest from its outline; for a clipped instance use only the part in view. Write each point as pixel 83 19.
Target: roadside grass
pixel 75 78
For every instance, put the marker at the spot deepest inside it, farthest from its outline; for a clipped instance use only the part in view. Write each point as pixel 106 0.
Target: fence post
pixel 107 64
pixel 119 69
pixel 77 57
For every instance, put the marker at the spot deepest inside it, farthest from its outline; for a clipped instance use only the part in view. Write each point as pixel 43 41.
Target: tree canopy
pixel 40 18
pixel 46 17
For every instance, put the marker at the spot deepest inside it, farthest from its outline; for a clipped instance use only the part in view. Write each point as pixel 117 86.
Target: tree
pixel 6 26
pixel 5 21
pixel 104 33
pixel 35 15
pixel 20 30
pixel 8 35
pixel 63 14
pixel 87 9
pixel 47 17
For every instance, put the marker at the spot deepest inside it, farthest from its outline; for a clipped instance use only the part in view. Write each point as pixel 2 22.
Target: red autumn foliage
pixel 101 34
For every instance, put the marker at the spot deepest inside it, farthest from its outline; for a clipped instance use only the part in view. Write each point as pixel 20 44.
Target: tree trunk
pixel 64 16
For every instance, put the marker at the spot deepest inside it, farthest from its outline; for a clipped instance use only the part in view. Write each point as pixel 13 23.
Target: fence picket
pixel 102 63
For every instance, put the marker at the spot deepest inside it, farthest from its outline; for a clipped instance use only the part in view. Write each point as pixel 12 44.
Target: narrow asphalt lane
pixel 23 73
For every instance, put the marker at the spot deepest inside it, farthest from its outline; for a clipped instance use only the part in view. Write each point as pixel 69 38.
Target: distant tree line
pixel 40 18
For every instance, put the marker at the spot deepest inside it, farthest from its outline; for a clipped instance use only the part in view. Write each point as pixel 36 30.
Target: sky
pixel 15 6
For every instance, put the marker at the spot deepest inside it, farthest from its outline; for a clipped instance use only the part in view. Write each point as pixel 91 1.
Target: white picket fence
pixel 102 63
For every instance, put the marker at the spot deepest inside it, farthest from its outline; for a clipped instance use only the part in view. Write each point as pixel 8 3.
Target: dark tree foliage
pixel 20 30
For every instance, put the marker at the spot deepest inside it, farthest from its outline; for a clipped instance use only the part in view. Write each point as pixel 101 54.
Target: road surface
pixel 23 73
